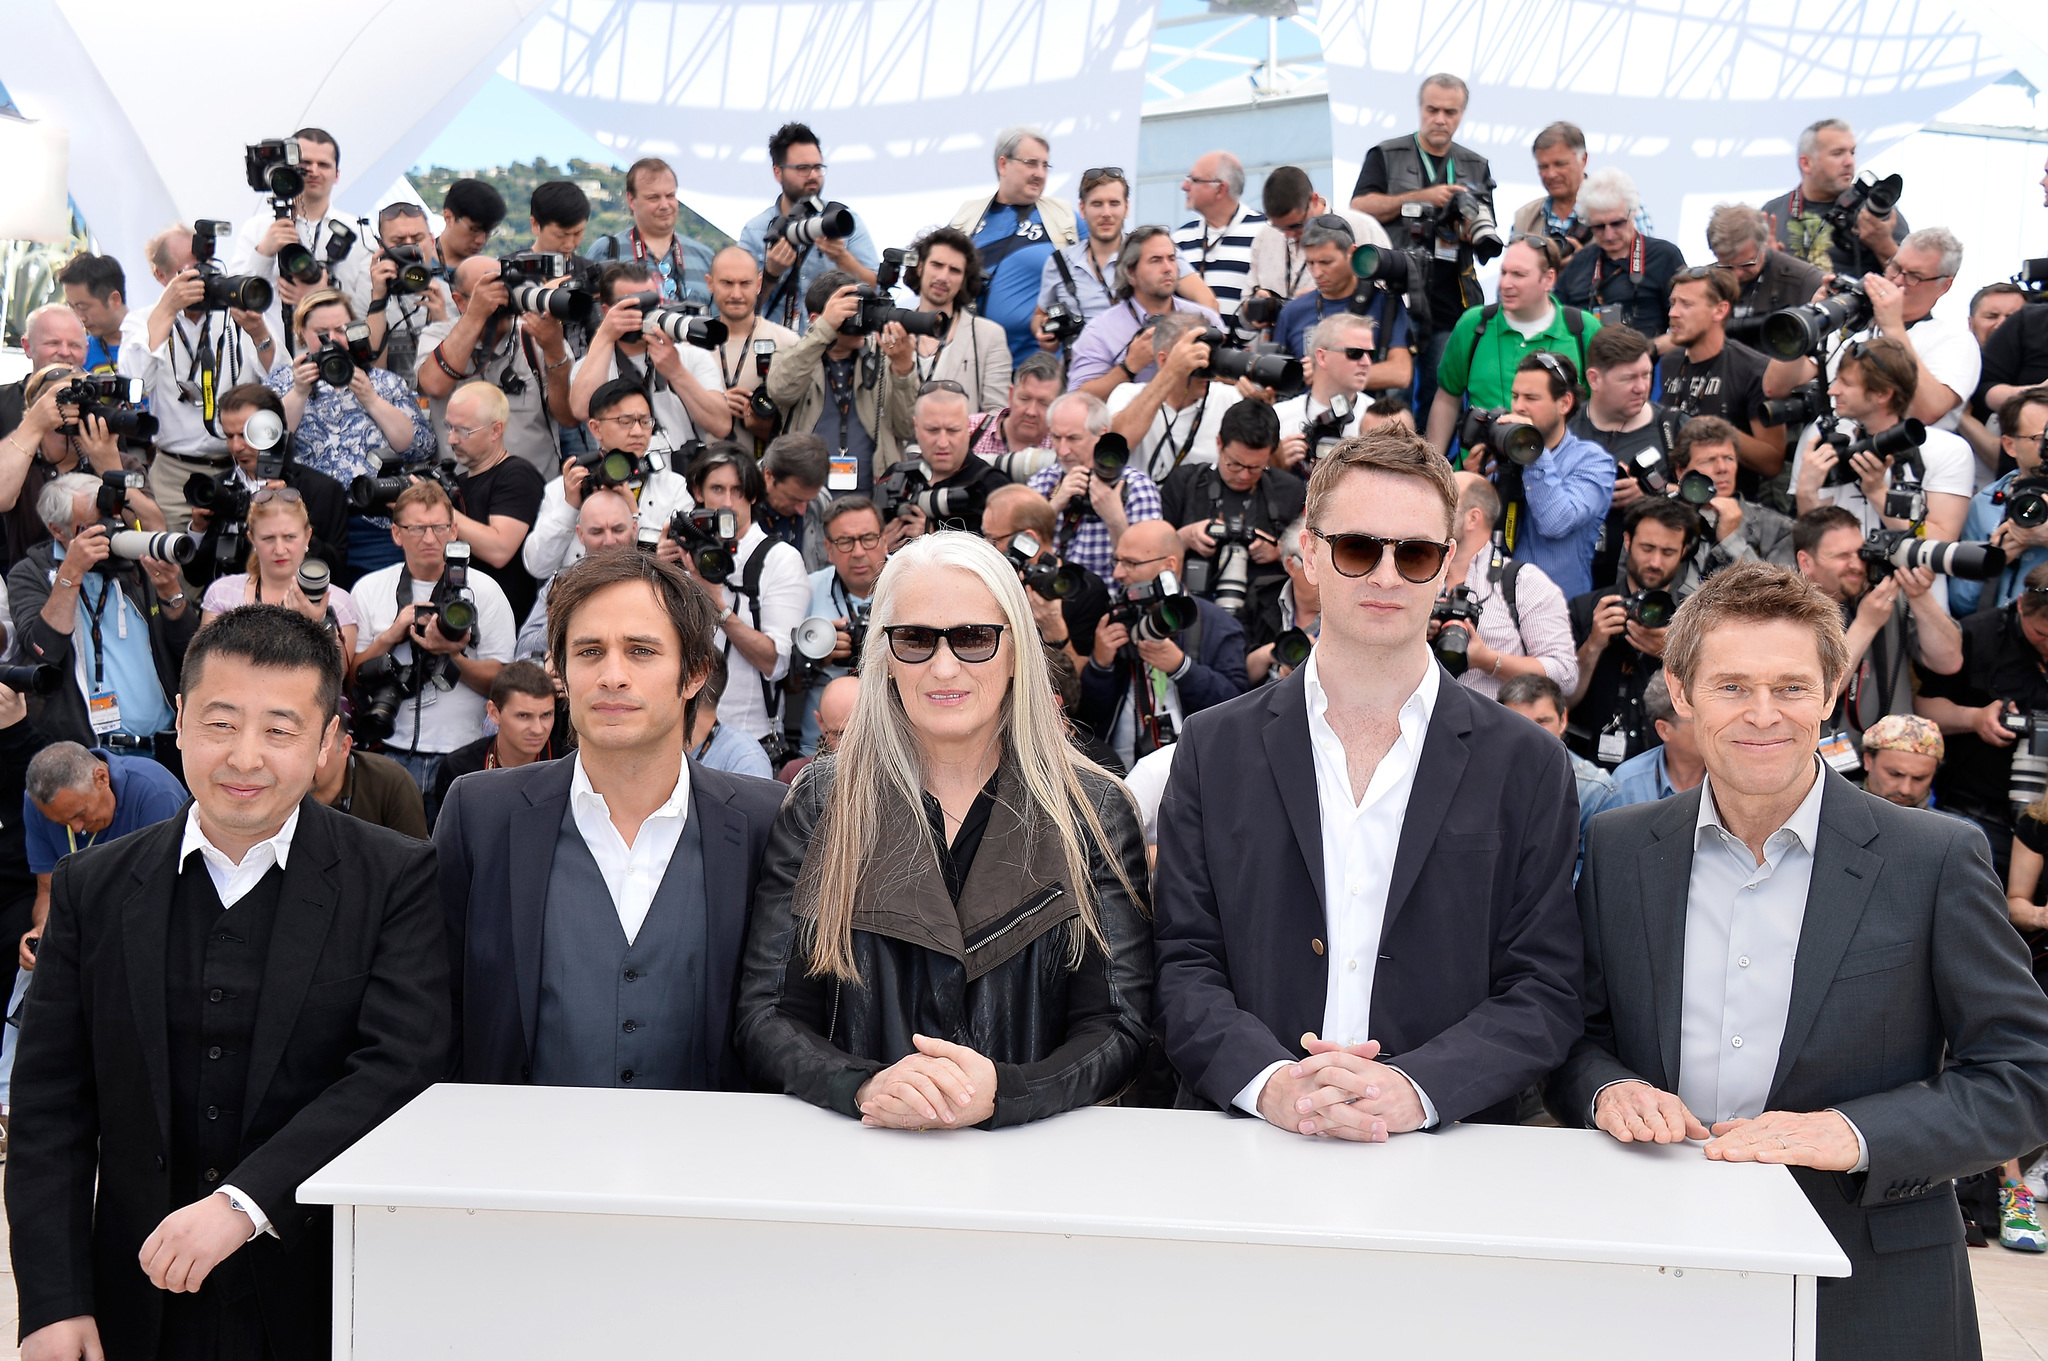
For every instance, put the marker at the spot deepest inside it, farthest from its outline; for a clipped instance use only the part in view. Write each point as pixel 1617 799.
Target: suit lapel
pixel 1438 769
pixel 145 934
pixel 532 855
pixel 722 829
pixel 1844 873
pixel 305 913
pixel 1666 868
pixel 1293 764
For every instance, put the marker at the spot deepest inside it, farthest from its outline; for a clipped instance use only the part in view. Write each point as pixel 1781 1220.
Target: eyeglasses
pixel 913 644
pixel 810 169
pixel 464 433
pixel 627 422
pixel 1133 564
pixel 853 541
pixel 1908 277
pixel 417 531
pixel 1197 179
pixel 1029 164
pixel 1358 555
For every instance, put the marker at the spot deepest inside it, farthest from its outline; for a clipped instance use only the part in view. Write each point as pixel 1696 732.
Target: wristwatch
pixel 723 615
pixel 175 602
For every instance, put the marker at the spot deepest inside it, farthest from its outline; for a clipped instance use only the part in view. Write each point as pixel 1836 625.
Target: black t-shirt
pixel 1446 295
pixel 1730 385
pixel 974 474
pixel 1619 679
pixel 1084 609
pixel 1196 493
pixel 1592 281
pixel 511 487
pixel 1624 445
pixel 2031 834
pixel 1998 663
pixel 2016 354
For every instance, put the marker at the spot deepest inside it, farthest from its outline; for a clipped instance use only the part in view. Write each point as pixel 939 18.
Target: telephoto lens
pixel 135 544
pixel 1652 608
pixel 832 222
pixel 374 495
pixel 31 680
pixel 1798 331
pixel 314 578
pixel 1021 465
pixel 564 302
pixel 1112 455
pixel 1969 561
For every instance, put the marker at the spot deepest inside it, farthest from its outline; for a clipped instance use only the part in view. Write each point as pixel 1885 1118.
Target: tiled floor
pixel 2012 1303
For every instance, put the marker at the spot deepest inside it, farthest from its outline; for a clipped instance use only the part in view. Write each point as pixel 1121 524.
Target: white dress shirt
pixel 171 381
pixel 632 874
pixel 232 881
pixel 1360 838
pixel 785 599
pixel 552 544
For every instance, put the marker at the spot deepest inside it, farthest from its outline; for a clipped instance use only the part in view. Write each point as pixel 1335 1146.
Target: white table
pixel 517 1222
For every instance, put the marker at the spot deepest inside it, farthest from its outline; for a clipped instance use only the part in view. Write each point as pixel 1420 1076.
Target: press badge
pixel 1613 748
pixel 844 475
pixel 1840 753
pixel 1446 250
pixel 104 708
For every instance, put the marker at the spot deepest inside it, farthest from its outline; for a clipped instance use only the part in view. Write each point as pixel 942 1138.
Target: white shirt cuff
pixel 1862 1144
pixel 241 1201
pixel 1428 1106
pixel 1247 1100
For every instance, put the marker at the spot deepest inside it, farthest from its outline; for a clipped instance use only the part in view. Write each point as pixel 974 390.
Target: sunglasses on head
pixel 915 643
pixel 941 385
pixel 1358 555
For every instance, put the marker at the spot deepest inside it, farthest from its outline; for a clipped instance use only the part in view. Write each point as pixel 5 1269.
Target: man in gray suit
pixel 1826 979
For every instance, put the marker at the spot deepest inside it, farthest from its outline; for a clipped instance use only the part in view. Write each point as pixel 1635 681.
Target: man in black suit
pixel 1825 979
pixel 597 904
pixel 223 1004
pixel 1306 975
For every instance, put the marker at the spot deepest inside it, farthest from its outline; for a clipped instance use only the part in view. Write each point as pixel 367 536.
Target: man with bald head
pixel 55 336
pixel 524 356
pixel 736 291
pixel 1136 695
pixel 1217 240
pixel 940 423
pixel 606 520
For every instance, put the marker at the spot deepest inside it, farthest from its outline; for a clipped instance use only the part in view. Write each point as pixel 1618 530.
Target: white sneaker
pixel 2037 1177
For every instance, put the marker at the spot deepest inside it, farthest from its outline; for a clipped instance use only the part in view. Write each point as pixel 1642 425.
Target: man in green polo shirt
pixel 1488 342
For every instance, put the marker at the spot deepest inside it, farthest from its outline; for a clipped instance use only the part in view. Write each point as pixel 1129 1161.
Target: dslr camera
pixel 1803 405
pixel 1879 194
pixel 1153 610
pixel 909 484
pixel 1651 608
pixel 338 360
pixel 682 322
pixel 1463 220
pixel 1052 580
pixel 811 223
pixel 1516 442
pixel 708 538
pixel 1265 363
pixel 132 545
pixel 244 291
pixel 529 288
pixel 112 399
pixel 369 495
pixel 384 684
pixel 1226 579
pixel 617 468
pixel 1896 446
pixel 1292 647
pixel 414 274
pixel 1887 550
pixel 1328 428
pixel 759 402
pixel 451 610
pixel 1457 616
pixel 2025 500
pixel 813 642
pixel 2029 779
pixel 1795 332
pixel 1652 471
pixel 1065 325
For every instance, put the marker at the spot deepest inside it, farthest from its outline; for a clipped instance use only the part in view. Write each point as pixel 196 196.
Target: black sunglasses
pixel 941 385
pixel 1354 353
pixel 913 644
pixel 1358 555
pixel 1093 174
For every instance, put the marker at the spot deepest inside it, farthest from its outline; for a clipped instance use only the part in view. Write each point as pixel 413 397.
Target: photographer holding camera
pixel 1066 622
pixel 1804 216
pixel 522 354
pixel 794 502
pixel 761 600
pixel 1139 687
pixel 2011 512
pixel 1873 392
pixel 622 422
pixel 839 593
pixel 1082 278
pixel 750 345
pixel 1428 168
pixel 1560 154
pixel 682 384
pixel 1121 343
pixel 1766 278
pixel 852 390
pixel 1340 368
pixel 1514 618
pixel 1887 622
pixel 1899 305
pixel 1709 374
pixel 606 519
pixel 1567 487
pixel 1229 514
pixel 1476 364
pixel 664 254
pixel 939 419
pixel 1327 244
pixel 398 314
pixel 324 499
pixel 1620 633
pixel 55 438
pixel 1291 202
pixel 1733 527
pixel 1626 277
pixel 1301 608
pixel 1174 417
pixel 1094 500
pixel 308 221
pixel 409 614
pixel 787 271
pixel 946 278
pixel 116 633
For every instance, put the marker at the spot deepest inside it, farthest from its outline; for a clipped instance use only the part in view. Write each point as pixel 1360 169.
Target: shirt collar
pixel 1804 824
pixel 196 840
pixel 676 805
pixel 1416 711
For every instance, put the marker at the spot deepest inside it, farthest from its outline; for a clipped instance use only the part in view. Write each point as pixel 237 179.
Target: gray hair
pixel 1290 539
pixel 57 502
pixel 1567 133
pixel 1041 365
pixel 1657 700
pixel 1316 234
pixel 1230 170
pixel 1735 225
pixel 58 767
pixel 1809 140
pixel 1942 241
pixel 1167 331
pixel 1097 419
pixel 1607 189
pixel 1011 138
pixel 940 395
pixel 1444 80
pixel 1330 331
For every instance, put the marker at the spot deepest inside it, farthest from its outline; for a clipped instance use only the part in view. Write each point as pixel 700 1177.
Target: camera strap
pixel 95 610
pixel 1501 572
pixel 842 398
pixel 669 265
pixel 749 590
pixel 1636 255
pixel 1059 260
pixel 209 355
pixel 745 345
pixel 1186 445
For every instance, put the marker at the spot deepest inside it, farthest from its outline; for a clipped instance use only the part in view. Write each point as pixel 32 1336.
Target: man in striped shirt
pixel 1217 240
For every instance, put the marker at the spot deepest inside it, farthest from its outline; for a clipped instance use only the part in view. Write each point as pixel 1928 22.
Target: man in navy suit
pixel 1364 905
pixel 597 904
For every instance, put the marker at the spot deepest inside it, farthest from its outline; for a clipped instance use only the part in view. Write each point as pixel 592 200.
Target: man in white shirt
pixel 314 224
pixel 1364 920
pixel 760 603
pixel 1335 377
pixel 634 863
pixel 1873 390
pixel 1902 301
pixel 524 356
pixel 620 421
pixel 681 381
pixel 1217 240
pixel 1173 419
pixel 442 703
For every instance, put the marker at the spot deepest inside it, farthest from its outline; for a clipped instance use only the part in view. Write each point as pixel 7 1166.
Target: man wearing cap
pixel 1900 755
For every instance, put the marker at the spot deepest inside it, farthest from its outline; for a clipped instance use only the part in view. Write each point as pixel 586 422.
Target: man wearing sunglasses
pixel 1902 302
pixel 1129 681
pixel 1340 354
pixel 2023 418
pixel 1625 275
pixel 1363 913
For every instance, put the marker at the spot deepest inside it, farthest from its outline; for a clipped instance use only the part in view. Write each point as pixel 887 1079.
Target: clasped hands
pixel 1635 1112
pixel 941 1086
pixel 1341 1092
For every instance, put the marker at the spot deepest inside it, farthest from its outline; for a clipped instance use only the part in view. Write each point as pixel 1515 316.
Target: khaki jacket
pixel 796 383
pixel 1054 213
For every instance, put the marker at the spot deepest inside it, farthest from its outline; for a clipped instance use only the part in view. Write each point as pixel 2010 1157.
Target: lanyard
pixel 673 275
pixel 842 397
pixel 732 380
pixel 99 651
pixel 207 354
pixel 72 837
pixel 1188 444
pixel 1293 275
pixel 1449 170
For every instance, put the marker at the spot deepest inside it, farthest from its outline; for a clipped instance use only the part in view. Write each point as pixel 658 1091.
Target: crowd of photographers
pixel 406 437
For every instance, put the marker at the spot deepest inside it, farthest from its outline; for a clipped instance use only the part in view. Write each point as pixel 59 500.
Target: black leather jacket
pixel 992 973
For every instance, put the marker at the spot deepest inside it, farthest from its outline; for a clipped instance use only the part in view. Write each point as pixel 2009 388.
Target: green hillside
pixel 605 184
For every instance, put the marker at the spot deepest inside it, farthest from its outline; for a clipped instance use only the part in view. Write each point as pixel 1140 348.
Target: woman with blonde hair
pixel 280 533
pixel 951 926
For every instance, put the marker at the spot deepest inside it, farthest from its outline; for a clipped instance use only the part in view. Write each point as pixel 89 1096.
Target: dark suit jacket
pixel 351 1024
pixel 497 835
pixel 1217 674
pixel 1476 994
pixel 1905 956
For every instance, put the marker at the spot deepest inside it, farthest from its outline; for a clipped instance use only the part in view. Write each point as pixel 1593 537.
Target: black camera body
pixel 223 290
pixel 338 360
pixel 1052 580
pixel 1516 441
pixel 708 536
pixel 1291 647
pixel 1803 405
pixel 1327 429
pixel 877 309
pixel 1153 610
pixel 369 495
pixel 414 274
pixel 908 485
pixel 112 399
pixel 1652 470
pixel 273 168
pixel 1259 311
pixel 617 468
pixel 759 402
pixel 384 684
pixel 1464 220
pixel 1795 332
pixel 451 609
pixel 529 276
pixel 2029 779
pixel 1880 194
pixel 2025 500
pixel 1265 363
pixel 1064 324
pixel 1457 616
pixel 1900 444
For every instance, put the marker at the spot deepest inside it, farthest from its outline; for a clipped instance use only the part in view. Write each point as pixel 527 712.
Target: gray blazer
pixel 1913 1013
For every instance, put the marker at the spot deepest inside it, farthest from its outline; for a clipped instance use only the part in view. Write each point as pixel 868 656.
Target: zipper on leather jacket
pixel 1015 917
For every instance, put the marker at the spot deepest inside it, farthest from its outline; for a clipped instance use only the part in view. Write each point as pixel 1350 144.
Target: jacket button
pixel 632 1026
pixel 626 1076
pixel 1316 945
pixel 214 996
pixel 213 1174
pixel 631 974
pixel 213 1112
pixel 214 1052
pixel 159 1162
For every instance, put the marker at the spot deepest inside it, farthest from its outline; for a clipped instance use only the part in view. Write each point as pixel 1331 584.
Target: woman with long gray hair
pixel 951 926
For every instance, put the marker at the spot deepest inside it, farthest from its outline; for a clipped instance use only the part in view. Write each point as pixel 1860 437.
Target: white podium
pixel 522 1222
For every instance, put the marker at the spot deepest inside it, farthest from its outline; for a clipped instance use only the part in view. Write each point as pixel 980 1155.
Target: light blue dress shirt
pixel 1569 489
pixel 754 240
pixel 1967 597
